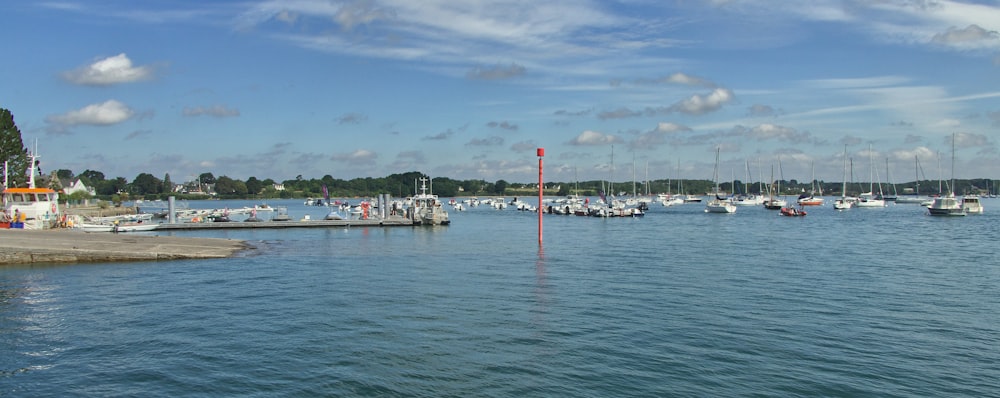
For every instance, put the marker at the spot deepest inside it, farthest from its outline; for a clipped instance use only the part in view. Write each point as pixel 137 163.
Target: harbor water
pixel 882 302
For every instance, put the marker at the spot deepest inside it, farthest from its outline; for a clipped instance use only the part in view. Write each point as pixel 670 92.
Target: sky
pixel 643 89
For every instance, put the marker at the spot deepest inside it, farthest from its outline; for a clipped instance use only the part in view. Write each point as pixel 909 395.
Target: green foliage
pixel 12 149
pixel 168 186
pixel 563 190
pixel 146 184
pixel 206 178
pixel 499 187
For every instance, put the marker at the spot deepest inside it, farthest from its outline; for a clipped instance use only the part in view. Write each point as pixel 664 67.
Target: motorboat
pixel 972 205
pixel 947 205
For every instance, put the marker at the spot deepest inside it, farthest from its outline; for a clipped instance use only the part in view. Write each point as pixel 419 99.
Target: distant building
pixel 78 186
pixel 279 187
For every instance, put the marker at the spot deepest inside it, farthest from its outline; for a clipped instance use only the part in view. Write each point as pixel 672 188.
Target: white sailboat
pixel 772 202
pixel 717 204
pixel 747 198
pixel 869 199
pixel 916 197
pixel 843 203
pixel 811 199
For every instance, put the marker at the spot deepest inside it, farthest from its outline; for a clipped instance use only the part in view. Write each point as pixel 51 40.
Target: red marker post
pixel 541 153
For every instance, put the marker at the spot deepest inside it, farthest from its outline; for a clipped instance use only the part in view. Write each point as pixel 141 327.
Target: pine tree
pixel 12 150
pixel 168 186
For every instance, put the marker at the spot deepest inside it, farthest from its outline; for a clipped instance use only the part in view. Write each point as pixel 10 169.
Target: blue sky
pixel 469 90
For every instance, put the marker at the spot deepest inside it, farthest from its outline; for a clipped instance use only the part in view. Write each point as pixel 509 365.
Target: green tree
pixel 64 174
pixel 254 186
pixel 500 187
pixel 12 149
pixel 110 187
pixel 207 178
pixel 563 190
pixel 91 177
pixel 168 186
pixel 226 186
pixel 147 184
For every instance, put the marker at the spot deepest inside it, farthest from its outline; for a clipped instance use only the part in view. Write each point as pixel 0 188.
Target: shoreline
pixel 18 246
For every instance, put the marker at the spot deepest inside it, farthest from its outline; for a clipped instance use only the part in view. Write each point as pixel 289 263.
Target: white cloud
pixel 103 114
pixel 112 70
pixel 697 104
pixel 667 127
pixel 594 138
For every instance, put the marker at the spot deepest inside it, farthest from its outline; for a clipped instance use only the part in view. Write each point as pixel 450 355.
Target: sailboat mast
pixel 952 188
pixel 843 188
pixel 611 179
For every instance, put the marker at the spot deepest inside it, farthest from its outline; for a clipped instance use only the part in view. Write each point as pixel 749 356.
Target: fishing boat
pixel 426 208
pixel 718 204
pixel 31 207
pixel 948 204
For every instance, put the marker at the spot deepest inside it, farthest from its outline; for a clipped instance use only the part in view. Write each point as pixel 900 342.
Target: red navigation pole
pixel 541 153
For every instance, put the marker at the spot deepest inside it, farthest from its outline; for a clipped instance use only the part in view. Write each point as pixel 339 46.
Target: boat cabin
pixel 34 206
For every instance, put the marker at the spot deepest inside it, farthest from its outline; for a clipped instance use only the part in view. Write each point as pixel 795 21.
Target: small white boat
pixel 93 227
pixel 138 227
pixel 972 205
pixel 868 200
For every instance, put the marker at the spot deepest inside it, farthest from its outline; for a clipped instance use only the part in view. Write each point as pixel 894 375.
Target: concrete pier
pixel 18 246
pixel 389 222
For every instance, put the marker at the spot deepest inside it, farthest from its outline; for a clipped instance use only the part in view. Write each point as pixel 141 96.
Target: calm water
pixel 868 302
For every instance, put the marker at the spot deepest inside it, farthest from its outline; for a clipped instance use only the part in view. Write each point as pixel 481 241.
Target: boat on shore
pixel 32 207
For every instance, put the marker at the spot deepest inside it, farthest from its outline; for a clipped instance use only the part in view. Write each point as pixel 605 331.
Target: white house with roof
pixel 78 186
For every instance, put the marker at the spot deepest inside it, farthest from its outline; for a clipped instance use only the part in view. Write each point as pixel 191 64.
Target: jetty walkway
pixel 20 246
pixel 392 221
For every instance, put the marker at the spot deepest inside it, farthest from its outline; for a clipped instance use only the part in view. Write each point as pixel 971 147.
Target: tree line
pixel 148 186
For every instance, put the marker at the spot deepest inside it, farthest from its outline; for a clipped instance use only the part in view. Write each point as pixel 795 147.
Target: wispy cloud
pixel 444 135
pixel 358 156
pixel 215 111
pixel 502 125
pixel 497 72
pixel 352 118
pixel 488 141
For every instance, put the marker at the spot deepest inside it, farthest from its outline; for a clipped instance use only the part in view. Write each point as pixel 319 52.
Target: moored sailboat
pixel 718 204
pixel 843 203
